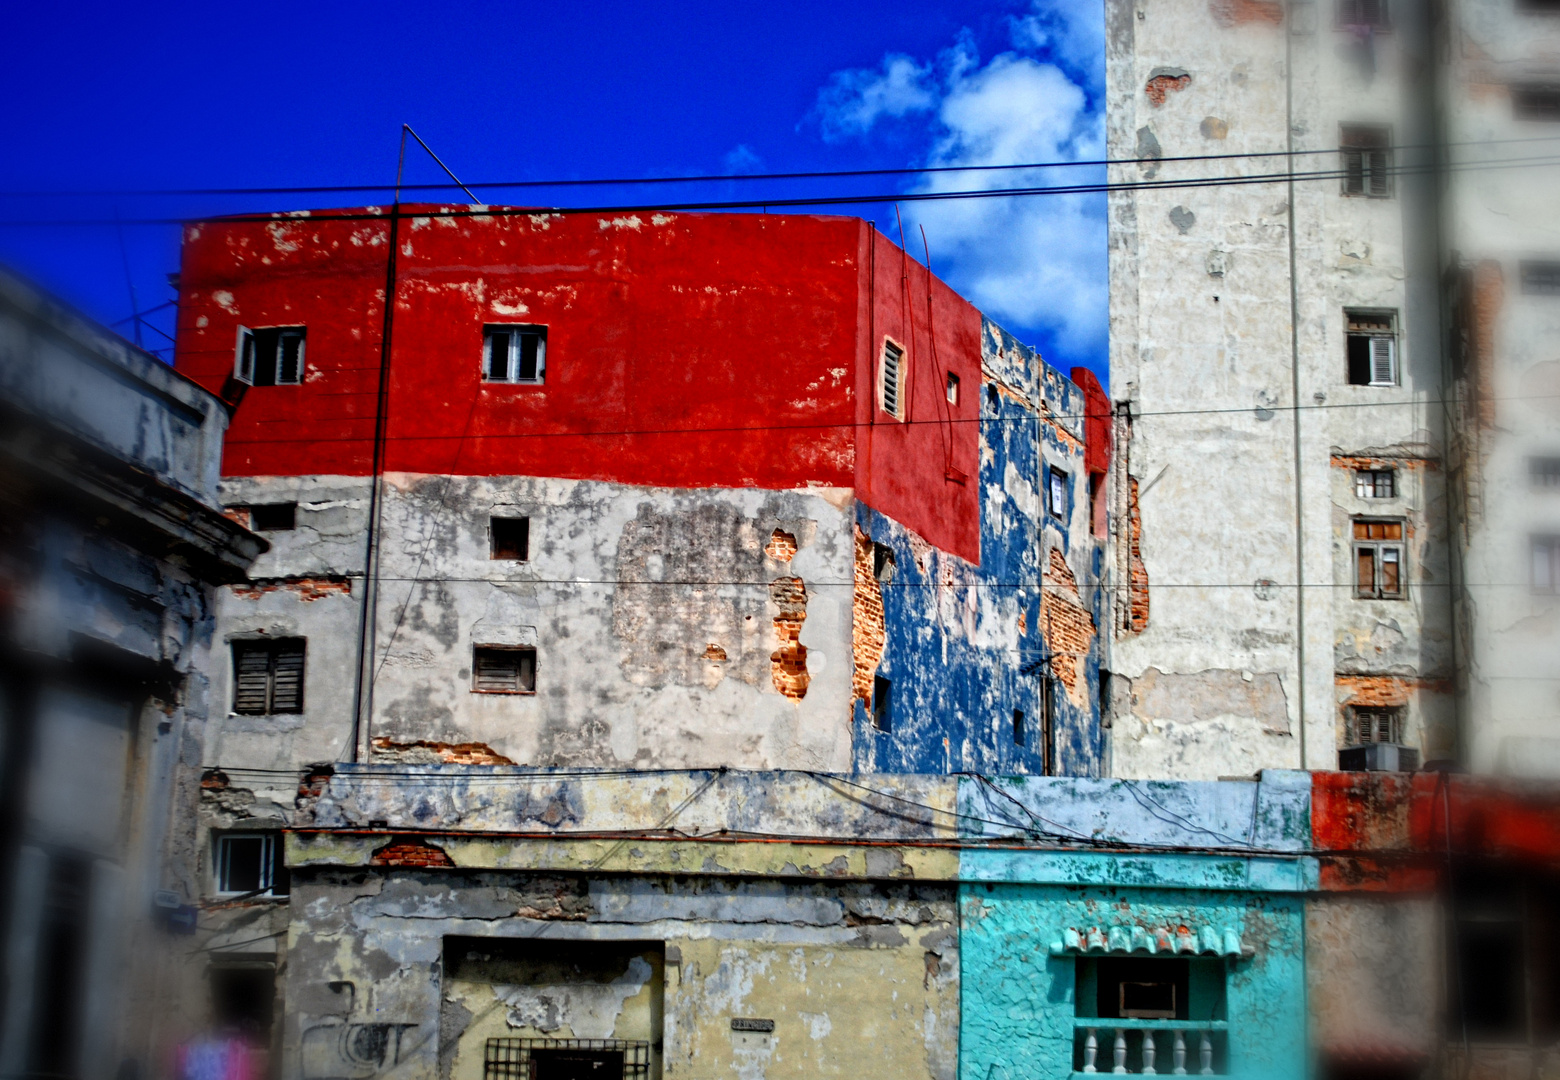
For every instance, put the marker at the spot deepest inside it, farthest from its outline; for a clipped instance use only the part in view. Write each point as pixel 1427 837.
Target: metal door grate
pixel 511 1059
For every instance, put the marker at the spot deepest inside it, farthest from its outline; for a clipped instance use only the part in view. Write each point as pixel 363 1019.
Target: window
pixel 1536 101
pixel 1056 493
pixel 510 538
pixel 268 676
pixel 1365 153
pixel 1018 727
pixel 1372 348
pixel 1540 278
pixel 1546 564
pixel 1377 724
pixel 1047 725
pixel 503 670
pixel 1545 472
pixel 1371 13
pixel 273 517
pixel 1375 483
pixel 271 356
pixel 1110 989
pixel 891 379
pixel 514 353
pixel 243 998
pixel 882 561
pixel 1378 559
pixel 953 389
pixel 882 717
pixel 250 864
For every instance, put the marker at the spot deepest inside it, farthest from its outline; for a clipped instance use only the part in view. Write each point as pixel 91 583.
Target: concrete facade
pixel 111 551
pixel 1245 636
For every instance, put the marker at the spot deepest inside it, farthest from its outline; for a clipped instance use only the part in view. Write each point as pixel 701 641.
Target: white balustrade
pixel 1091 1051
pixel 1149 1047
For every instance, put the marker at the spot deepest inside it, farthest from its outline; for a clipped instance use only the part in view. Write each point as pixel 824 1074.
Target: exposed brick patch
pixel 867 633
pixel 411 851
pixel 1067 627
pixel 240 514
pixel 213 780
pixel 1160 85
pixel 781 546
pixel 1356 461
pixel 425 752
pixel 1229 13
pixel 713 651
pixel 788 663
pixel 1380 691
pixel 1488 297
pixel 307 588
pixel 1137 585
pixel 312 785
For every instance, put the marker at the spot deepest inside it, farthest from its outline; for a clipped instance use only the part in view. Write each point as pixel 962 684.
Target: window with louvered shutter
pixel 268 676
pixel 1365 153
pixel 1371 340
pixel 1383 362
pixel 893 379
pixel 1380 724
pixel 498 670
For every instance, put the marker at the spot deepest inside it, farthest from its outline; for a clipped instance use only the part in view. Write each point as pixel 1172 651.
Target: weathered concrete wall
pixel 1228 343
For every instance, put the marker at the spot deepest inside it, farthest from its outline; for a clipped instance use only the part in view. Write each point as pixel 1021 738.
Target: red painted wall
pixel 686 350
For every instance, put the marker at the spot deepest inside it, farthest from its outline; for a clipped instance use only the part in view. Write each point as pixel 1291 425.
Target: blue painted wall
pixel 964 643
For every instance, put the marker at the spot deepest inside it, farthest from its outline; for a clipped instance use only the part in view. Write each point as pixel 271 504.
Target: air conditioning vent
pixel 1378 757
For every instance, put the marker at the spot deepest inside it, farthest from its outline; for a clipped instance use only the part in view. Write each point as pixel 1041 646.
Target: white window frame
pixel 896 406
pixel 244 357
pixel 1056 493
pixel 246 354
pixel 222 857
pixel 1383 360
pixel 514 332
pixel 1371 489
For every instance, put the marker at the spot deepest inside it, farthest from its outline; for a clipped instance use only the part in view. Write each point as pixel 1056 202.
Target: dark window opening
pixel 953 389
pixel 250 864
pixel 514 353
pixel 1546 564
pixel 566 1059
pixel 1099 509
pixel 1378 559
pixel 268 676
pixel 510 538
pixel 891 380
pixel 1048 725
pixel 270 356
pixel 243 1000
pixel 1372 13
pixel 882 561
pixel 1536 101
pixel 1375 483
pixel 273 517
pixel 58 987
pixel 882 715
pixel 1545 472
pixel 1375 724
pixel 1018 727
pixel 503 670
pixel 1540 278
pixel 1365 158
pixel 1372 348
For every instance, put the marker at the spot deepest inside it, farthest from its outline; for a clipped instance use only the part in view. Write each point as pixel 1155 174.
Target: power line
pixel 817 174
pixel 813 201
pixel 1027 583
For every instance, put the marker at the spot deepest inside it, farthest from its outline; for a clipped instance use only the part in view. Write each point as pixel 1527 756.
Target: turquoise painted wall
pixel 1019 1001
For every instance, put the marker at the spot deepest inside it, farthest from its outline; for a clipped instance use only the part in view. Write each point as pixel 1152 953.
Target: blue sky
pixel 115 96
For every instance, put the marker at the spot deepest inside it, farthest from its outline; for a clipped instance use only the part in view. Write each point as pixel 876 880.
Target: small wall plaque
pixel 747 1023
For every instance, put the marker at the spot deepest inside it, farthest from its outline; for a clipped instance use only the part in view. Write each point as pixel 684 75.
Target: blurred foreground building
pixel 112 542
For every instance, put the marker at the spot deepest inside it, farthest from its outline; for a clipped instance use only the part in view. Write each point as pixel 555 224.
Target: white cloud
pixel 1036 262
pixel 742 159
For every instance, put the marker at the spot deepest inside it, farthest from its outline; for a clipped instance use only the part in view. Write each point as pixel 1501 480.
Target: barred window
pixel 268 676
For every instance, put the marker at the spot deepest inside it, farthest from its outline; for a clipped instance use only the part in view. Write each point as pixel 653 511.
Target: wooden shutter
pixel 251 677
pixel 1391 571
pixel 1365 571
pixel 287 678
pixel 1377 165
pixel 1353 171
pixel 1383 362
pixel 497 670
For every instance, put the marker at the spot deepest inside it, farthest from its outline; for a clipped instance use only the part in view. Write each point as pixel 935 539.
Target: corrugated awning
pixel 1172 940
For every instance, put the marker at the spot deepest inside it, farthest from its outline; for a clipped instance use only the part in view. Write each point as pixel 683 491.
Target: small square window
pixel 1536 101
pixel 1056 493
pixel 1545 472
pixel 1378 559
pixel 1365 159
pixel 270 356
pixel 250 864
pixel 1375 483
pixel 510 538
pixel 1546 564
pixel 503 670
pixel 1540 278
pixel 1372 13
pixel 273 517
pixel 882 706
pixel 268 677
pixel 1371 339
pixel 514 353
pixel 953 389
pixel 1378 724
pixel 891 380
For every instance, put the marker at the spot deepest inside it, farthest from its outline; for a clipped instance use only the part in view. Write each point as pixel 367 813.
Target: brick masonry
pixel 1067 626
pixel 868 634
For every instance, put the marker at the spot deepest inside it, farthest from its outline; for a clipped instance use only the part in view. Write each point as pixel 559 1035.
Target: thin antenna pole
pixel 407 129
pixel 124 258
